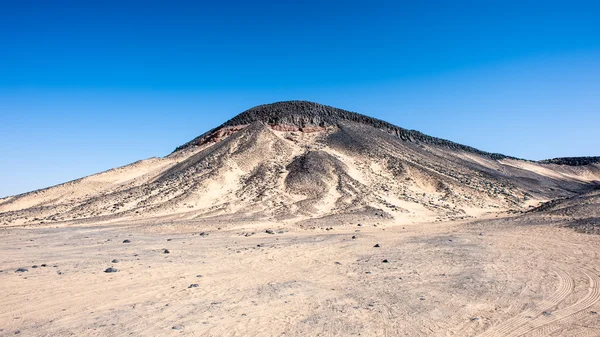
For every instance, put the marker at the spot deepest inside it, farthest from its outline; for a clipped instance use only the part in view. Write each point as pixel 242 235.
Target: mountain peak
pixel 310 116
pixel 299 114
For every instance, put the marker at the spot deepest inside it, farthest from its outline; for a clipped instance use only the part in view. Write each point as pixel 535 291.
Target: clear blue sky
pixel 87 86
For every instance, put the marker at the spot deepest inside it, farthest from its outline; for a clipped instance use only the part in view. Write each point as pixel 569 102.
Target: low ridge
pixel 572 161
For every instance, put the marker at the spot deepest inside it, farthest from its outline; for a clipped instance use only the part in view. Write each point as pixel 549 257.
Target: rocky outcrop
pixel 572 161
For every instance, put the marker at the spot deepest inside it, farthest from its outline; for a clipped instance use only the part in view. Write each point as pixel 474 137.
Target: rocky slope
pixel 301 161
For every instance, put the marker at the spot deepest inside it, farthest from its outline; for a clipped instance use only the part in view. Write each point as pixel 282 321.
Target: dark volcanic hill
pixel 306 162
pixel 309 117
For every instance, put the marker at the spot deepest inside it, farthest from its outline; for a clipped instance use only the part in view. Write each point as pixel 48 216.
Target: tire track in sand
pixel 565 287
pixel 544 325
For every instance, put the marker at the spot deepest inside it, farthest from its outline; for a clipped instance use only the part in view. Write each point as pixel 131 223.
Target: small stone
pixel 111 270
pixel 126 241
pixel 475 319
pixel 166 251
pixel 269 231
pixel 422 298
pixel 385 261
pixel 44 265
pixel 547 313
pixel 198 275
pixel 203 234
pixel 594 312
pixel 194 285
pixel 177 327
pixel 21 270
pixel 115 261
pixel 169 239
pixel 353 237
pixel 376 246
pixel 338 263
pixel 34 266
pixel 359 225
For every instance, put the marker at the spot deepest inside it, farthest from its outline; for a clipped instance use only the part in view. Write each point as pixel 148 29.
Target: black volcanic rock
pixel 304 114
pixel 572 161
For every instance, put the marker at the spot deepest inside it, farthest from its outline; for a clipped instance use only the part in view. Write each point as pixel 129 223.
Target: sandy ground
pixel 496 277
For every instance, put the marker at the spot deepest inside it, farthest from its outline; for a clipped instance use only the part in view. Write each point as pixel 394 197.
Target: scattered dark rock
pixel 115 261
pixel 21 270
pixel 203 234
pixel 166 251
pixel 376 246
pixel 111 270
pixel 422 298
pixel 269 231
pixel 194 285
pixel 353 237
pixel 169 239
pixel 177 327
pixel 126 241
pixel 44 265
pixel 385 261
pixel 359 225
pixel 475 319
pixel 547 313
pixel 338 263
pixel 594 312
pixel 198 275
pixel 34 266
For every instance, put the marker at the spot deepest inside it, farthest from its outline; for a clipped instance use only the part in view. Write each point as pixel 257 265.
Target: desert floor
pixel 495 277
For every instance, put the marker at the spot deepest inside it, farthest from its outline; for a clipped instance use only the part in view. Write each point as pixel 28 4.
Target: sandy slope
pixel 496 277
pixel 259 172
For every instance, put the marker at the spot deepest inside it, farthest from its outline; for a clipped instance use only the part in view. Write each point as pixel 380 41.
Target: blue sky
pixel 86 86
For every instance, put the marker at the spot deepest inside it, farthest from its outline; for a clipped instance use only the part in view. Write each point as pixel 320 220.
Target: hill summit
pixel 308 116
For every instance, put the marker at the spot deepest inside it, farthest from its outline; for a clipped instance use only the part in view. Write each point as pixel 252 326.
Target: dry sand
pixel 490 277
